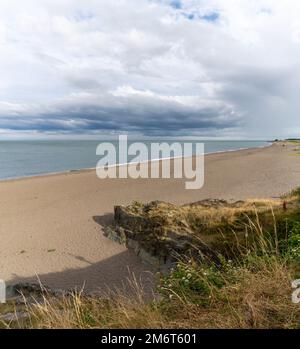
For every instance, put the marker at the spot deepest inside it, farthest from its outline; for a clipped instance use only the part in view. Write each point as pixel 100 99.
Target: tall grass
pixel 116 309
pixel 249 286
pixel 251 291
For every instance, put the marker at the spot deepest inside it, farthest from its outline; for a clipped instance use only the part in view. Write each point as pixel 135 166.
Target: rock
pixel 129 221
pixel 210 203
pixel 10 317
pixel 149 232
pixel 33 293
pixel 26 289
pixel 116 234
pixel 133 244
pixel 149 258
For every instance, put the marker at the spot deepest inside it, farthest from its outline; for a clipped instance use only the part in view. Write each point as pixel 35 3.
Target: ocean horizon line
pixel 86 169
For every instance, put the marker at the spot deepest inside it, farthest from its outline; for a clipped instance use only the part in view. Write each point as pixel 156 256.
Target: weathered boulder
pixel 157 233
pixel 160 233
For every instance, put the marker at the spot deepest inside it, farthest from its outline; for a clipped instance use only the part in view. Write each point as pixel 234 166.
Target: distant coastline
pixel 91 162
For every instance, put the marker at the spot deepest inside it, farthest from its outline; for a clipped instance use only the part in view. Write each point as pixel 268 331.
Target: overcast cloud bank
pixel 212 68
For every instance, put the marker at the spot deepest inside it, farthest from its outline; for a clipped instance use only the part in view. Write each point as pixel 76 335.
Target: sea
pixel 23 158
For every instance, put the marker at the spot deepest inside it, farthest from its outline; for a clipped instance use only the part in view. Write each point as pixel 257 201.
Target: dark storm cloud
pixel 142 117
pixel 223 68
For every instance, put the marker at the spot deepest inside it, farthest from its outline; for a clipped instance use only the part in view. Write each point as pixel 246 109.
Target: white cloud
pixel 150 66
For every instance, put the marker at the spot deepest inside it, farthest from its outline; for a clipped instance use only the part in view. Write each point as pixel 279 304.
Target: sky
pixel 208 68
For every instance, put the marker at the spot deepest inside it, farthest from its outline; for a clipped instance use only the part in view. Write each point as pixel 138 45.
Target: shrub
pixel 192 283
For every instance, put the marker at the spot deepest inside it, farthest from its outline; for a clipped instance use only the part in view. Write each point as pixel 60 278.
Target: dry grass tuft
pixel 114 310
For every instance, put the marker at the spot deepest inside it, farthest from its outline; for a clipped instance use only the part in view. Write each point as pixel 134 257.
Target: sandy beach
pixel 51 226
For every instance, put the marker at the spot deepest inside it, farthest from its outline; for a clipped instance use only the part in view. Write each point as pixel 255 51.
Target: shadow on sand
pixel 104 220
pixel 116 272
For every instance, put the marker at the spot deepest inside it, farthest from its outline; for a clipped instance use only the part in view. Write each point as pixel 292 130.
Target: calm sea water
pixel 29 158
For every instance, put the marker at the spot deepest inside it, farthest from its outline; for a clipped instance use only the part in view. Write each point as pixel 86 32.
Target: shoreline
pixel 89 169
pixel 52 227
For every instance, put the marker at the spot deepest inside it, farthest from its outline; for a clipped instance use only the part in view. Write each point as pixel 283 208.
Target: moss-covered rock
pixel 161 232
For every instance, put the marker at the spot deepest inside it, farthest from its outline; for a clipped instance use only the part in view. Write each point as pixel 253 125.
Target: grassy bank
pixel 248 286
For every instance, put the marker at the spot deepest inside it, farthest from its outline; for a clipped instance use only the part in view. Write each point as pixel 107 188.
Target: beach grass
pixel 250 289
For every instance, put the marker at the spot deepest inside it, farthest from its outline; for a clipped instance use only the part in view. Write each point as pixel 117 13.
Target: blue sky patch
pixel 176 4
pixel 211 17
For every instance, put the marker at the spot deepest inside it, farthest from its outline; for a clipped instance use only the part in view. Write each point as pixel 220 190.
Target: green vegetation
pixel 248 286
pixel 293 139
